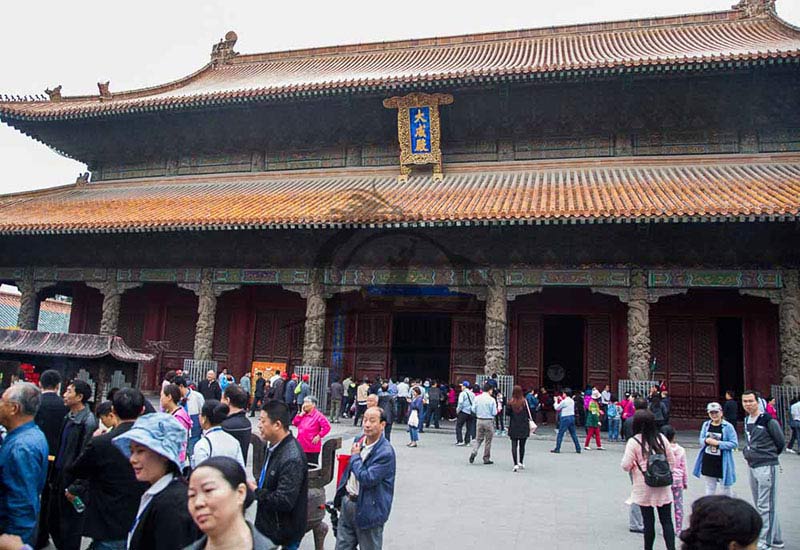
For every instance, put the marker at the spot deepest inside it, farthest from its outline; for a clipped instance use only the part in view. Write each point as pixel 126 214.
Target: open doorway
pixel 563 352
pixel 421 346
pixel 730 354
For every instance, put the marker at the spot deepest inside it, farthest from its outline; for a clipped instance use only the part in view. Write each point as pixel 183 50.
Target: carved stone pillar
pixel 789 316
pixel 638 327
pixel 314 337
pixel 112 292
pixel 206 316
pixel 28 318
pixel 496 323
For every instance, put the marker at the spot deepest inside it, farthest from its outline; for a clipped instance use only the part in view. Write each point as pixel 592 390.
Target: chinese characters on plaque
pixel 418 131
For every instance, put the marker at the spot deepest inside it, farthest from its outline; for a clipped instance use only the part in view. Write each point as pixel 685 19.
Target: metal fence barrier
pixel 195 370
pixel 641 387
pixel 318 380
pixel 504 381
pixel 784 395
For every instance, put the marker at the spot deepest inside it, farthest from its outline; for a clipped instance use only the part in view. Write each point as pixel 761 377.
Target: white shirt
pixel 216 442
pixel 148 495
pixel 606 397
pixel 403 390
pixel 352 482
pixel 194 402
pixel 795 411
pixel 566 406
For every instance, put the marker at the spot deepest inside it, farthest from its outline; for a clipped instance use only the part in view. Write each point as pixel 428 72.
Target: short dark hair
pixel 104 408
pixel 640 404
pixel 172 391
pixel 180 381
pixel 567 392
pixel 215 411
pixel 50 379
pixel 236 395
pixel 128 403
pixel 83 389
pixel 487 387
pixel 668 432
pixel 277 411
pixel 719 520
pixel 232 472
pixel 170 376
pixel 754 393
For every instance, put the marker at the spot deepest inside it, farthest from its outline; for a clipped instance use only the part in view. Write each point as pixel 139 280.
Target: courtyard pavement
pixel 564 501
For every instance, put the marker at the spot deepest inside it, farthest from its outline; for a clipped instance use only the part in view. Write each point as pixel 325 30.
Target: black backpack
pixel 658 473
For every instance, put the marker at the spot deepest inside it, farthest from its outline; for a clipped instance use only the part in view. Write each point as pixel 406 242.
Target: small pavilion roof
pixel 750 32
pixel 79 346
pixel 608 190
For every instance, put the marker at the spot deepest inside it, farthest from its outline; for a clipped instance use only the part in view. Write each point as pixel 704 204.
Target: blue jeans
pixel 414 433
pixel 567 423
pixel 613 428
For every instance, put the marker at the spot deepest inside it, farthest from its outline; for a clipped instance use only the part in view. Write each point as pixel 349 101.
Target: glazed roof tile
pixel 728 36
pixel 596 190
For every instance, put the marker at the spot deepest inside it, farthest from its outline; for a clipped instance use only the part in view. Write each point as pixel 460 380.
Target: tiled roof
pixel 83 346
pixel 598 190
pixel 53 314
pixel 691 40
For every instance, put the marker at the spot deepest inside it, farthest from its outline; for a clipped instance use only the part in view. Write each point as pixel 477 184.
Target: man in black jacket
pixel 237 423
pixel 282 493
pixel 209 387
pixel 65 522
pixel 49 417
pixel 258 394
pixel 113 492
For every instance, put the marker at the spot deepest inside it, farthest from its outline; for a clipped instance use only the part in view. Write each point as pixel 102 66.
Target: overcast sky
pixel 144 43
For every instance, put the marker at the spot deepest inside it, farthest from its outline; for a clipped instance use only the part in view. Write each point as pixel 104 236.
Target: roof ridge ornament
pixel 222 52
pixel 752 9
pixel 82 179
pixel 103 87
pixel 419 131
pixel 54 94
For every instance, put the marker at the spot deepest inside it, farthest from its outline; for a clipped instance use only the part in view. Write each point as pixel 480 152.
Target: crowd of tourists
pixel 129 477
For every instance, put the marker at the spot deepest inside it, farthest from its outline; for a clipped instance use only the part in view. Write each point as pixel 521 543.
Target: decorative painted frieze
pixel 568 277
pixel 714 278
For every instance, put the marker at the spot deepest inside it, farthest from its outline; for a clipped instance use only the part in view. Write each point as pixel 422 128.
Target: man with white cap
pixel 715 463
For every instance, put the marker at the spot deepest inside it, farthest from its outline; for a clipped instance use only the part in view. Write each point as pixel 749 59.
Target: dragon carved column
pixel 28 318
pixel 789 316
pixel 496 323
pixel 638 328
pixel 206 316
pixel 314 337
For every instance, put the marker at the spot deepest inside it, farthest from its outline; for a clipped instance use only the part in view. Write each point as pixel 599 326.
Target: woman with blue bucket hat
pixel 153 446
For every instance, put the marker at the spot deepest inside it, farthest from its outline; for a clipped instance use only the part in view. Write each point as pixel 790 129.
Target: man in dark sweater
pixel 765 442
pixel 113 492
pixel 209 387
pixel 237 423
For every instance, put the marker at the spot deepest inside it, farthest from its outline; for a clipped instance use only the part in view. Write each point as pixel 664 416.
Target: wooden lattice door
pixel 597 358
pixel 372 345
pixel 529 351
pixel 468 350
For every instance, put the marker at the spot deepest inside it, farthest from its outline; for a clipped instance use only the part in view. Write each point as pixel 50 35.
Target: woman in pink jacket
pixel 312 426
pixel 648 441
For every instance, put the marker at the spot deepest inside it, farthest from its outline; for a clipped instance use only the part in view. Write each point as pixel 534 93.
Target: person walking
pixel 258 394
pixel 350 391
pixel 210 388
pixel 546 404
pixel 519 430
pixel 282 493
pixel 65 521
pixel 565 407
pixel 464 404
pixel 765 442
pixel 337 395
pixel 361 400
pixel 170 403
pixel 714 462
pixel 312 427
pixel 290 395
pixel 647 441
pixel 246 384
pixel 635 521
pixel 386 401
pixel 49 417
pixel 23 461
pixel 236 424
pixel 485 411
pixel 112 488
pixel 593 414
pixel 192 402
pixel 302 390
pixel 215 442
pixel 658 409
pixel 277 387
pixel 499 419
pixel 730 410
pixel 415 416
pixel 218 497
pixel 403 400
pixel 152 446
pixel 434 405
pixel 680 476
pixel 366 489
pixel 794 416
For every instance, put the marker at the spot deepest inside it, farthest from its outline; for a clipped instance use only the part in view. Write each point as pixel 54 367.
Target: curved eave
pixel 554 220
pixel 419 82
